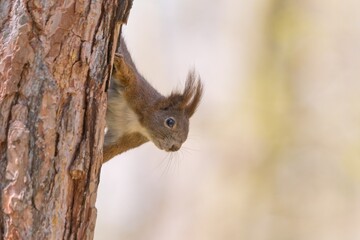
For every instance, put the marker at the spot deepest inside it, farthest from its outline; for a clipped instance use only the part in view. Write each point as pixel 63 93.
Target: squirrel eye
pixel 170 122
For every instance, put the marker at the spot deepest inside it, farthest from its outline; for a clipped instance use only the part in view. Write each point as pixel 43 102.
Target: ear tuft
pixel 187 100
pixel 192 93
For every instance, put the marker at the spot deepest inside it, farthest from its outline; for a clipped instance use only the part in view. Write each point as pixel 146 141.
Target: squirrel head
pixel 168 125
pixel 162 120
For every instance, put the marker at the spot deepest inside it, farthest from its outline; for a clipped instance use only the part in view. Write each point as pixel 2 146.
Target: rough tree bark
pixel 55 62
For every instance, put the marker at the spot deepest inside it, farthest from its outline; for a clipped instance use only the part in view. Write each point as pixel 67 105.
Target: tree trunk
pixel 55 63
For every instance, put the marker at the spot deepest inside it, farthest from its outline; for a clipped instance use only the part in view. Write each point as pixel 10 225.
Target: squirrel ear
pixel 192 93
pixel 122 72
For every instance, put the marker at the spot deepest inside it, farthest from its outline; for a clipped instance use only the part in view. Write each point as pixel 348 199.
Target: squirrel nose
pixel 174 148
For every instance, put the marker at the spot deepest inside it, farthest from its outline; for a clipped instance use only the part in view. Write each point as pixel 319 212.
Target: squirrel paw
pixel 123 72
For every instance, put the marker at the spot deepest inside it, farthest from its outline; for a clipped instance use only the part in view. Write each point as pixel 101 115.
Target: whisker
pixel 189 150
pixel 175 160
pixel 178 161
pixel 168 164
pixel 171 163
pixel 162 161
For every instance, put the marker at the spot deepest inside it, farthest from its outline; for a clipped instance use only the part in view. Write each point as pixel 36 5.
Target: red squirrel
pixel 137 113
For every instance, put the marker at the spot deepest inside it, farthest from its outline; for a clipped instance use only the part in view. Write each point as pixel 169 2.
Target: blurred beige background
pixel 274 149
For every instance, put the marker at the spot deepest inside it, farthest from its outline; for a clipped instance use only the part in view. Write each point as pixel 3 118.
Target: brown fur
pixel 123 144
pixel 137 112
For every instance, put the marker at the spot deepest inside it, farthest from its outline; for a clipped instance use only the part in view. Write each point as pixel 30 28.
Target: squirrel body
pixel 137 113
